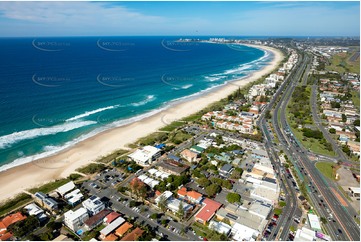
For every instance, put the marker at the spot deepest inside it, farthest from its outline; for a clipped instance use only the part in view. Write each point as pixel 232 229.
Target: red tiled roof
pixel 110 237
pixel 97 217
pixel 11 219
pixel 134 235
pixel 111 217
pixel 207 212
pixel 194 194
pixel 5 236
pixel 123 229
pixel 182 191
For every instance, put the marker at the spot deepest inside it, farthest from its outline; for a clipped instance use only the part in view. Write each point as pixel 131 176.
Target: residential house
pixel 35 210
pixel 123 229
pixel 134 235
pixel 226 170
pixel 94 205
pixel 97 219
pixel 208 210
pixel 74 220
pixel 173 167
pixel 190 156
pixel 111 227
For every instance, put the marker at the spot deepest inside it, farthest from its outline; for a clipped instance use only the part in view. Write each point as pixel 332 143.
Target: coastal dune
pixel 20 178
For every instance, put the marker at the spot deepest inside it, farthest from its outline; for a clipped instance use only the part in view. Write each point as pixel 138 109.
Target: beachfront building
pixel 34 210
pixel 73 198
pixel 145 156
pixel 94 205
pixel 62 190
pixel 74 220
pixel 46 201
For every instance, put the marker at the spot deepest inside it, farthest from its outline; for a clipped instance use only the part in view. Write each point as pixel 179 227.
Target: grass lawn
pixel 14 203
pixel 172 126
pixel 326 169
pixel 48 187
pixel 89 235
pixel 313 144
pixel 341 63
pixel 356 99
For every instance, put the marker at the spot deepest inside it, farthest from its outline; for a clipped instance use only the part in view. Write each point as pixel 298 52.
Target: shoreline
pixel 62 164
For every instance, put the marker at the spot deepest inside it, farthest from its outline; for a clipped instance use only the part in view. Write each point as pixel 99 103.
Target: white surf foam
pixel 8 140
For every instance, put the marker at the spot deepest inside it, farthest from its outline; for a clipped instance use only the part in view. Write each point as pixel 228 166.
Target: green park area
pixel 299 116
pixel 327 169
pixel 346 62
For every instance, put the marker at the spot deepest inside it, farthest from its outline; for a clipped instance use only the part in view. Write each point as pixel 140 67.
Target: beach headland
pixel 20 178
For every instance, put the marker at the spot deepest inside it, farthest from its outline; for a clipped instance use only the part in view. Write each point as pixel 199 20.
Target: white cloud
pixel 86 17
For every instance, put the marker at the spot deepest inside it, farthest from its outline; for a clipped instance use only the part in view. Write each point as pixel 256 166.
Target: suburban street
pixel 141 217
pixel 318 122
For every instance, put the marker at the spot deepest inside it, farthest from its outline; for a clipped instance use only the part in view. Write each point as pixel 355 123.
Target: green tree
pixel 356 122
pixel 154 216
pixel 227 184
pixel 344 118
pixel 204 182
pixel 332 131
pixel 180 212
pixel 233 197
pixel 212 189
pixel 237 173
pixel 323 220
pixel 24 227
pixel 162 204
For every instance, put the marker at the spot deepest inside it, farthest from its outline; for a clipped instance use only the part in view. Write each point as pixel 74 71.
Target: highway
pixel 286 219
pixel 345 227
pixel 279 110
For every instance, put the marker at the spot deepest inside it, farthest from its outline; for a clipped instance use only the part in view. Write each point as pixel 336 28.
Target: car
pixel 339 230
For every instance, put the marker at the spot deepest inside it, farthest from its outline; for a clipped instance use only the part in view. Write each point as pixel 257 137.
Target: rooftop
pixel 134 235
pixel 112 226
pixel 123 229
pixel 72 215
pixel 66 188
pixel 173 166
pixel 208 210
pixel 95 219
pixel 11 219
pixel 111 217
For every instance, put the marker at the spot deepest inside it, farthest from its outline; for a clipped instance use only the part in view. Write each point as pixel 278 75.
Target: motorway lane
pixel 331 200
pixel 285 220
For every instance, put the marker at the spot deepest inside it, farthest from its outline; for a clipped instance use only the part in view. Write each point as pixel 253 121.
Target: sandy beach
pixel 22 177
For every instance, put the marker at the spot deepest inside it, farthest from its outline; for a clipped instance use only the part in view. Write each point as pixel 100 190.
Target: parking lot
pixel 110 177
pixel 140 213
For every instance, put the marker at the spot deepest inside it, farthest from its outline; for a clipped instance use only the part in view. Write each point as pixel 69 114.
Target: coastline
pixel 67 161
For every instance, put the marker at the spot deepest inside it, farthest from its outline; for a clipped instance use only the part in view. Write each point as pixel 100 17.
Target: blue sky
pixel 21 19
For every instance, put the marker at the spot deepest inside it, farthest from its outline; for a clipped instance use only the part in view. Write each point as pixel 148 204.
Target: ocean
pixel 56 92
